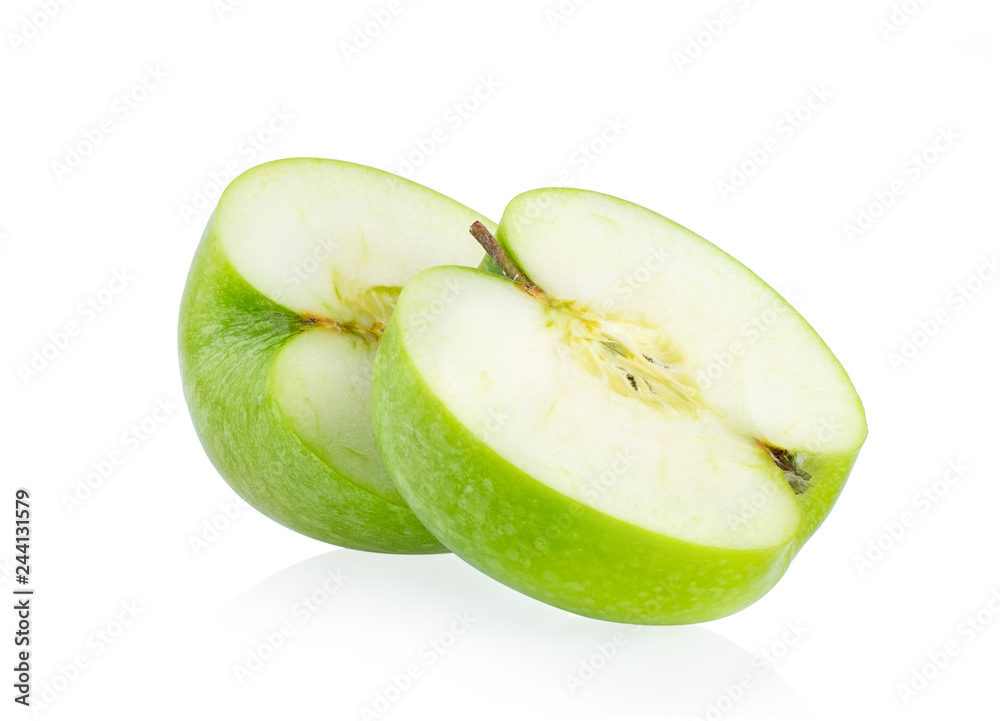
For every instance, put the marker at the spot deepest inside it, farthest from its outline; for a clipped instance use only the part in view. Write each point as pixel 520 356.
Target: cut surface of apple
pixel 291 287
pixel 671 429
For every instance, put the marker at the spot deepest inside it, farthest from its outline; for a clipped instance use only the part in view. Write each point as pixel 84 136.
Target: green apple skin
pixel 551 547
pixel 229 336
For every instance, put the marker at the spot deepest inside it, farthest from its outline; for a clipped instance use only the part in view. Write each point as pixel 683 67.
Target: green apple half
pixel 635 428
pixel 287 297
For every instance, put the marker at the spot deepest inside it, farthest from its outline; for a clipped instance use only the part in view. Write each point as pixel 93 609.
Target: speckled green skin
pixel 546 545
pixel 228 337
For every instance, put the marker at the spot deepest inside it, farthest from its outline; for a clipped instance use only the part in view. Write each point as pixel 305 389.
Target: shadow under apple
pixel 380 634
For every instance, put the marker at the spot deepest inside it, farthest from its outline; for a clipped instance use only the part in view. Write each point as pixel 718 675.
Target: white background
pixel 846 627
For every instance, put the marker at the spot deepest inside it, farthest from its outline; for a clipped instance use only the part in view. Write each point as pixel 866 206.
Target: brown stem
pixel 506 264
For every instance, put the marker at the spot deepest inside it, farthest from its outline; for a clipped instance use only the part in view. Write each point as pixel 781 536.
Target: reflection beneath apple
pixel 381 634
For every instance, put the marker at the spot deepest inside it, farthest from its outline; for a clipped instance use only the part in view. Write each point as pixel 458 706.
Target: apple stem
pixel 503 260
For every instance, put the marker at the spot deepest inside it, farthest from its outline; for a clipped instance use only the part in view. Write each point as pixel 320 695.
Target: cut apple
pixel 288 295
pixel 631 425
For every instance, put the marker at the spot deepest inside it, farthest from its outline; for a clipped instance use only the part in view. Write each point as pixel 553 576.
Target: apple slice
pixel 635 428
pixel 288 294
